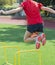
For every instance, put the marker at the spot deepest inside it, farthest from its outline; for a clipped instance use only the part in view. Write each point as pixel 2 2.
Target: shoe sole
pixel 37 45
pixel 38 42
pixel 43 39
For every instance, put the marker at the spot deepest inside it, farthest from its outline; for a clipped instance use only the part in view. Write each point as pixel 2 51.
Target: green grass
pixel 12 35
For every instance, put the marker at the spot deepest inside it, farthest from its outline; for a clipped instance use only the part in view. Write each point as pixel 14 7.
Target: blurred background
pixel 11 4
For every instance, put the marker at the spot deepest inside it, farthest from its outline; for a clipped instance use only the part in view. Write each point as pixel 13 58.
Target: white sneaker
pixel 43 37
pixel 37 45
pixel 38 39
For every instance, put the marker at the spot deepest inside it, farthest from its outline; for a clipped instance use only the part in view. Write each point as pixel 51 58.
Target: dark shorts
pixel 35 28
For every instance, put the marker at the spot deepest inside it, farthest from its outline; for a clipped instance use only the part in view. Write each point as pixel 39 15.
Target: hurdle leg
pixel 34 50
pixel 40 57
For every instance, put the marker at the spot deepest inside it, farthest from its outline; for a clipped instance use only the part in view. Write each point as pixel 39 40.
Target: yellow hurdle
pixel 5 55
pixel 33 50
pixel 19 52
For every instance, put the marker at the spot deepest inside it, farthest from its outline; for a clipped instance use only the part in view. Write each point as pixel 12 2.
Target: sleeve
pixel 40 5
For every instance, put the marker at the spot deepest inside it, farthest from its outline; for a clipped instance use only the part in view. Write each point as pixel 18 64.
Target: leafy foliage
pixel 47 2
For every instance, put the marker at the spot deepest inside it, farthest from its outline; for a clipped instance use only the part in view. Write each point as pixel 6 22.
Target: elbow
pixel 44 8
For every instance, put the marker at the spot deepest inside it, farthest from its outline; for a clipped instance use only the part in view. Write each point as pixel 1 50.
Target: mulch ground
pixel 9 20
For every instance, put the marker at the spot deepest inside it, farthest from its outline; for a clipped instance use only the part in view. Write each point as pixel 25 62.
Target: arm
pixel 48 9
pixel 12 11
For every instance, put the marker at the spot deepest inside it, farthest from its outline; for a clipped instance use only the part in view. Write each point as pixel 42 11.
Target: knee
pixel 25 40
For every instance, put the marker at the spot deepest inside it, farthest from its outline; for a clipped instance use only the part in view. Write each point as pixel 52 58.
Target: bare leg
pixel 28 38
pixel 34 34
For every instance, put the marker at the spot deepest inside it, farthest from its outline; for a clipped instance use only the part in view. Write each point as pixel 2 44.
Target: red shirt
pixel 32 10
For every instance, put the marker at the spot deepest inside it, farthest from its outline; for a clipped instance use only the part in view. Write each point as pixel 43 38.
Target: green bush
pixel 7 7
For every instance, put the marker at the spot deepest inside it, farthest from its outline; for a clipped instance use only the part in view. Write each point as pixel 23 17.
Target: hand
pixel 3 12
pixel 0 11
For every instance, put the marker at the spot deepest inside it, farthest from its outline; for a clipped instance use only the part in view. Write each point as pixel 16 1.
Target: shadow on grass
pixel 12 34
pixel 16 34
pixel 50 34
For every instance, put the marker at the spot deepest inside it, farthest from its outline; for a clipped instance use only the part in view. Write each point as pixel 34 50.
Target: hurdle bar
pixel 33 50
pixel 5 55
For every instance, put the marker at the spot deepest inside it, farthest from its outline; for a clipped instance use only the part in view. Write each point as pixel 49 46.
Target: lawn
pixel 12 35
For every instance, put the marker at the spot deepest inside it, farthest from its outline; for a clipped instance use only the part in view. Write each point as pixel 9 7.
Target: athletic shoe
pixel 37 45
pixel 38 39
pixel 44 41
pixel 43 37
